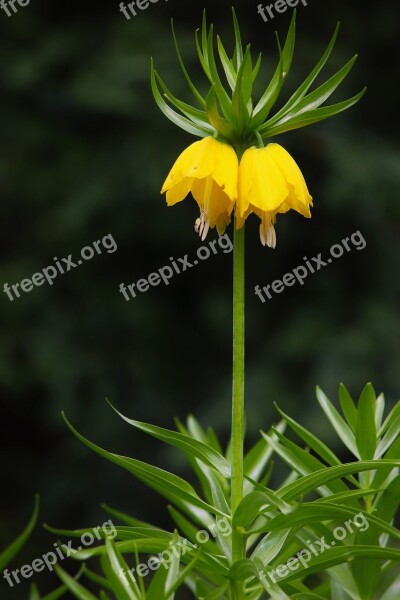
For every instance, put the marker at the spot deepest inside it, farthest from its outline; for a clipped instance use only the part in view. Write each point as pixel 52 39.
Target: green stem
pixel 238 417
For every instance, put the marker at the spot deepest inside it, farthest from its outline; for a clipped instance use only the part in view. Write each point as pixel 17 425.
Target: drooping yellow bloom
pixel 270 182
pixel 209 170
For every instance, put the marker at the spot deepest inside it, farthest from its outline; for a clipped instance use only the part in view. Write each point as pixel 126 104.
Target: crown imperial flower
pixel 270 182
pixel 234 127
pixel 209 170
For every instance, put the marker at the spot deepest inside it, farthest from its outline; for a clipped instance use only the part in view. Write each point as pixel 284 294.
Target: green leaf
pixel 341 554
pixel 74 587
pixel 311 440
pixel 314 116
pixel 218 593
pixel 249 508
pixel 238 56
pixel 270 546
pixel 302 462
pixel 198 117
pixel 380 410
pixel 321 94
pixel 311 482
pixel 173 116
pixel 180 578
pixel 381 476
pixel 215 80
pixel 170 486
pixel 54 595
pixel 366 427
pixel 271 94
pixel 96 578
pixel 227 65
pixel 391 435
pixel 189 445
pixel 258 457
pixel 348 496
pixel 310 511
pixel 190 531
pixel 243 569
pixel 367 573
pixel 9 553
pixel 307 596
pixel 126 518
pixel 196 93
pixel 242 93
pixel 337 422
pixel 389 501
pixel 257 66
pixel 220 124
pixel 125 587
pixel 392 417
pixel 392 592
pixel 203 61
pixel 348 407
pixel 204 37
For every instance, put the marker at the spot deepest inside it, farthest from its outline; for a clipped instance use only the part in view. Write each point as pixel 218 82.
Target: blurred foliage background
pixel 84 151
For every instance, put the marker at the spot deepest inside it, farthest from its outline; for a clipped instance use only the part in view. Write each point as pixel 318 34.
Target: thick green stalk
pixel 238 416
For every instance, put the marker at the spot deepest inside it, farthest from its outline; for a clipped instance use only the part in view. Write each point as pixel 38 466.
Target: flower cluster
pixel 230 170
pixel 266 182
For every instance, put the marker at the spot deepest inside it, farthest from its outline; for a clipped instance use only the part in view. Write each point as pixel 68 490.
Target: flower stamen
pixel 202 224
pixel 267 230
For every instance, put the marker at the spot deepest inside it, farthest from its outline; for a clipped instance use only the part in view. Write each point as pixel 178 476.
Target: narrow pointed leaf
pixel 394 413
pixel 199 117
pixel 77 590
pixel 126 587
pixel 215 80
pixel 173 116
pixel 271 95
pixel 321 94
pixel 167 484
pixel 200 54
pixel 311 482
pixel 366 427
pixel 197 449
pixel 337 422
pixel 348 407
pixel 303 89
pixel 196 93
pixel 9 553
pixel 238 56
pixel 241 95
pixel 314 116
pixel 227 65
pixel 220 124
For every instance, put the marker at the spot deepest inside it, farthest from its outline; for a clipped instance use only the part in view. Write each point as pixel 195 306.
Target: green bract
pixel 228 109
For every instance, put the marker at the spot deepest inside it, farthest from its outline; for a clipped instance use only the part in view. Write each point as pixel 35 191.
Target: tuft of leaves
pixel 229 111
pixel 328 519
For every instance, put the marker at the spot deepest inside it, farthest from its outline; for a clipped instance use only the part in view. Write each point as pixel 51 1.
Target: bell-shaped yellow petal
pixel 209 170
pixel 270 182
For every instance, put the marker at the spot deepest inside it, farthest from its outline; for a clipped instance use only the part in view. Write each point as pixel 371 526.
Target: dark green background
pixel 84 151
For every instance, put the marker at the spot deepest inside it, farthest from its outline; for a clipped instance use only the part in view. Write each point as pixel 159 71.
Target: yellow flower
pixel 270 182
pixel 209 170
